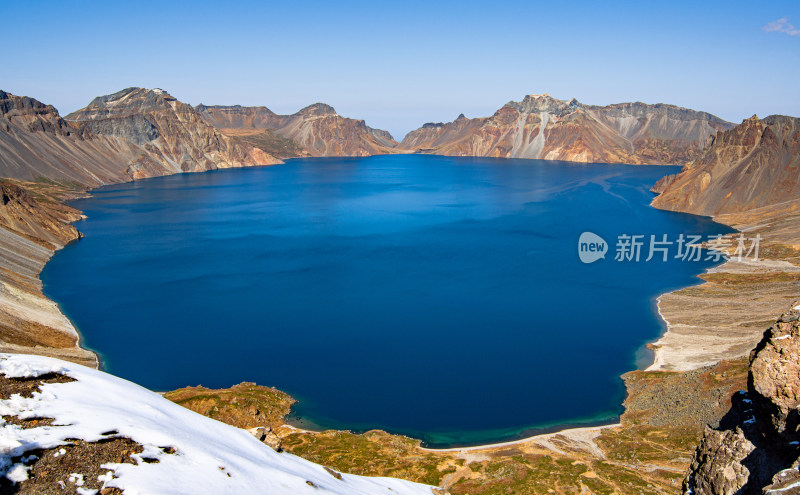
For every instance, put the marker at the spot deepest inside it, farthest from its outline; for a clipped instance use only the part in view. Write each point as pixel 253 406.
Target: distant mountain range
pixel 543 127
pixel 137 133
pixel 131 134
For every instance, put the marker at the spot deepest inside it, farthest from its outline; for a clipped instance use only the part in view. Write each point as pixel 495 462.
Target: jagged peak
pixel 461 116
pixel 542 103
pixel 318 109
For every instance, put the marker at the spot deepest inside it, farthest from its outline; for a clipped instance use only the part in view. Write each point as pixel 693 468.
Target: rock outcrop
pixel 316 130
pixel 754 165
pixel 756 449
pixel 543 127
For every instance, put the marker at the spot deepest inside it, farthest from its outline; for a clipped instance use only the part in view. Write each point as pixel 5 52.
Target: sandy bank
pixel 725 317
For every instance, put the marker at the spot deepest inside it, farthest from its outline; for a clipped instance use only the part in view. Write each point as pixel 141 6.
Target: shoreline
pixel 568 432
pixel 734 314
pixel 659 361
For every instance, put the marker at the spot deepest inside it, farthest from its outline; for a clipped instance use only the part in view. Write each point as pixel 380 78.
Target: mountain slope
pixel 36 142
pixel 173 135
pixel 754 165
pixel 30 231
pixel 167 449
pixel 145 135
pixel 546 128
pixel 316 130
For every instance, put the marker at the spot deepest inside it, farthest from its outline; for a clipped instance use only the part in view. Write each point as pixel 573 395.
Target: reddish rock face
pixel 317 130
pixel 546 128
pixel 753 165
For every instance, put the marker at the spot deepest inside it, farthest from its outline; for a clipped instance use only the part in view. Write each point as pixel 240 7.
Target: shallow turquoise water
pixel 437 297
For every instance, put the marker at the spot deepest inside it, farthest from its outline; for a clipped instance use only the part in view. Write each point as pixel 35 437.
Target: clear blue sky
pixel 400 64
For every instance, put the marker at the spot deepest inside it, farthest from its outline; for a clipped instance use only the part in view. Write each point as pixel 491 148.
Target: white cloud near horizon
pixel 782 25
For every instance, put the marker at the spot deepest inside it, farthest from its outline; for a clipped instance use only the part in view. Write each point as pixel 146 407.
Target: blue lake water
pixel 442 298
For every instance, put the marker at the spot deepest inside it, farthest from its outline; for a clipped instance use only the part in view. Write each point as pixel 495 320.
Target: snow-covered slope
pixel 208 456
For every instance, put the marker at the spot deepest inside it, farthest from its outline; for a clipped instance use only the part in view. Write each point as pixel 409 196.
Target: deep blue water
pixel 437 297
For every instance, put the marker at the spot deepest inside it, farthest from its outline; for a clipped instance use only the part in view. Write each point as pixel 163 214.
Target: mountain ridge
pixel 754 165
pixel 314 130
pixel 542 127
pixel 132 134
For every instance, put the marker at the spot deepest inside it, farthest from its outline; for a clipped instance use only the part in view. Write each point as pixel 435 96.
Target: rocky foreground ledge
pixel 756 449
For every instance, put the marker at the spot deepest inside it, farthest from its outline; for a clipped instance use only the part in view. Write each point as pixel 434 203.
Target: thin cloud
pixel 782 25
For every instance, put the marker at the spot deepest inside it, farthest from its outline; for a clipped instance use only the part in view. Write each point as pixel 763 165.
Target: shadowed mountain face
pixel 316 130
pixel 132 134
pixel 546 128
pixel 754 165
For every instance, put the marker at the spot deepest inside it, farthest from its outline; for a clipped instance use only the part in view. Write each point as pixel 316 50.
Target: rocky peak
pixel 541 103
pixel 155 118
pixel 129 101
pixel 31 115
pixel 317 110
pixel 12 105
pixel 461 116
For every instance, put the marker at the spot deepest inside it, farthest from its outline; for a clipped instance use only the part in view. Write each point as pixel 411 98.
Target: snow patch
pixel 17 473
pixel 25 369
pixel 209 457
pixel 76 478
